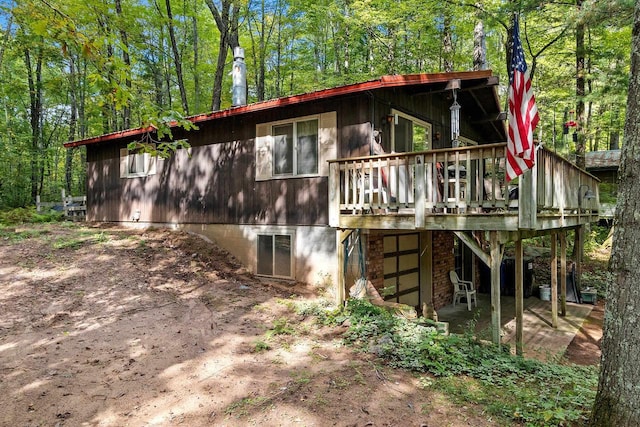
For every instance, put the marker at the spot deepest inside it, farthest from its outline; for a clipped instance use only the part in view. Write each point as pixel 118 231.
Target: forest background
pixel 71 69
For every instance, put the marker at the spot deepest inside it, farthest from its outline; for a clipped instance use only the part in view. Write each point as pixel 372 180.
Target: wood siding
pixel 214 181
pixel 217 183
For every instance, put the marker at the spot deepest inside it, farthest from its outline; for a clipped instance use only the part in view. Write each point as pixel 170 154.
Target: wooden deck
pixel 459 189
pixel 540 340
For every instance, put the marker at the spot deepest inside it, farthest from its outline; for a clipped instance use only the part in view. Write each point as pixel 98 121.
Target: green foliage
pixel 259 346
pixel 280 327
pixel 12 235
pixel 120 59
pixel 608 192
pixel 325 312
pixel 28 216
pixel 159 142
pixel 521 390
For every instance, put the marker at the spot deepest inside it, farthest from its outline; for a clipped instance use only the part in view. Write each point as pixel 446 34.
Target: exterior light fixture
pixel 586 195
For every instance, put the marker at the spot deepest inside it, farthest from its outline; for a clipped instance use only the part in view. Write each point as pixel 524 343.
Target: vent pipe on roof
pixel 239 76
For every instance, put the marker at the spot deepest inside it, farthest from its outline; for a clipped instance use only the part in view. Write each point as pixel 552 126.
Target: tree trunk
pixel 479 47
pixel 580 90
pixel 177 60
pixel 109 116
pixel 447 44
pixel 126 111
pixel 196 59
pixel 34 79
pixel 73 119
pixel 618 398
pixel 578 247
pixel 227 24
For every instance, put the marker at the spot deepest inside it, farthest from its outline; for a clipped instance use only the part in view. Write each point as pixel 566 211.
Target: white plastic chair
pixel 462 289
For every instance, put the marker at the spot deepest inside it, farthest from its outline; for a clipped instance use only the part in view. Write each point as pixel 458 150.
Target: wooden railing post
pixel 527 200
pixel 334 194
pixel 65 204
pixel 420 192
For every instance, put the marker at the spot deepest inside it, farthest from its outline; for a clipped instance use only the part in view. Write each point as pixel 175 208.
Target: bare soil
pixel 102 326
pixel 586 345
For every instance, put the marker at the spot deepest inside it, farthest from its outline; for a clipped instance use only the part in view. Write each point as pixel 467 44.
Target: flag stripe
pixel 523 113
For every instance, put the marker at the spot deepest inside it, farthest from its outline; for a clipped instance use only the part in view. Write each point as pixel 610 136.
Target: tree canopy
pixel 71 69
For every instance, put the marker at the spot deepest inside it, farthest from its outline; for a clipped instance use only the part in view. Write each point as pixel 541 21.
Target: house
pixel 604 165
pixel 399 179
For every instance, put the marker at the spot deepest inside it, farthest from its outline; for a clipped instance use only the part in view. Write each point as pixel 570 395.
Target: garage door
pixel 402 268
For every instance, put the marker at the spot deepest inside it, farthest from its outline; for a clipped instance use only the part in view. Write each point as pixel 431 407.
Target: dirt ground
pixel 102 326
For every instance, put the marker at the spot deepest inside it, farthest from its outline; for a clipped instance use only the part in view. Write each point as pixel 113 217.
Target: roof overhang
pixel 418 83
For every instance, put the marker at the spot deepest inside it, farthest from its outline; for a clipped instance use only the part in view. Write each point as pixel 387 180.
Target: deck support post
pixel 563 273
pixel 554 280
pixel 426 270
pixel 496 260
pixel 519 297
pixel 341 287
pixel 578 250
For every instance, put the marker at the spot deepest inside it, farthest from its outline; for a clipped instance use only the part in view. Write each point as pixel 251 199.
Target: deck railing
pixel 464 180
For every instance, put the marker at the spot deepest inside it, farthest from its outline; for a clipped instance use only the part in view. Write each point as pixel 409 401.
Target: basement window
pixel 275 257
pixel 135 164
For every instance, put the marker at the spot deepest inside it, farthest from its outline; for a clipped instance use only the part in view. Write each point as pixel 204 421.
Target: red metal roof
pixel 383 82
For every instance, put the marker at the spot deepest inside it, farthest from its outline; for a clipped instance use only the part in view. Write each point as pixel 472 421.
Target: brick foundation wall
pixel 443 262
pixel 375 260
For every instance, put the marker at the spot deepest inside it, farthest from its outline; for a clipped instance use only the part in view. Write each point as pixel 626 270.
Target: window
pixel 133 164
pixel 297 147
pixel 274 255
pixel 409 133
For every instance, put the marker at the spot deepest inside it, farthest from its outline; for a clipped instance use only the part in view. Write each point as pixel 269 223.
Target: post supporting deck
pixel 554 280
pixel 496 260
pixel 563 273
pixel 426 270
pixel 519 297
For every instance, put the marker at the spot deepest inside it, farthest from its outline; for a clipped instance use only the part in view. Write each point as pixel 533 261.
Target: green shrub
pixel 519 390
pixel 28 216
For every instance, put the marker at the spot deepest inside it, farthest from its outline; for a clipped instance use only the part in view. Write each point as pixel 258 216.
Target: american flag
pixel 523 113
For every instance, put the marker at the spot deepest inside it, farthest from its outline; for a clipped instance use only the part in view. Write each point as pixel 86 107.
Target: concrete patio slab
pixel 540 339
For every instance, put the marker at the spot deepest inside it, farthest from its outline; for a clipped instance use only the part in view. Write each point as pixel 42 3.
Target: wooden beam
pixel 554 280
pixel 501 116
pixel 475 248
pixel 519 297
pixel 340 291
pixel 563 273
pixel 579 254
pixel 527 204
pixel 426 269
pixel 496 260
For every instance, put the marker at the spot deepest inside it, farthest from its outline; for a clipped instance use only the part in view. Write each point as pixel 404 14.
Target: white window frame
pixel 326 149
pixel 271 232
pixel 396 113
pixel 146 160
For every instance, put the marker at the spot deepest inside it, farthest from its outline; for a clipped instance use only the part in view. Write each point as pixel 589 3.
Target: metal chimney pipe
pixel 239 76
